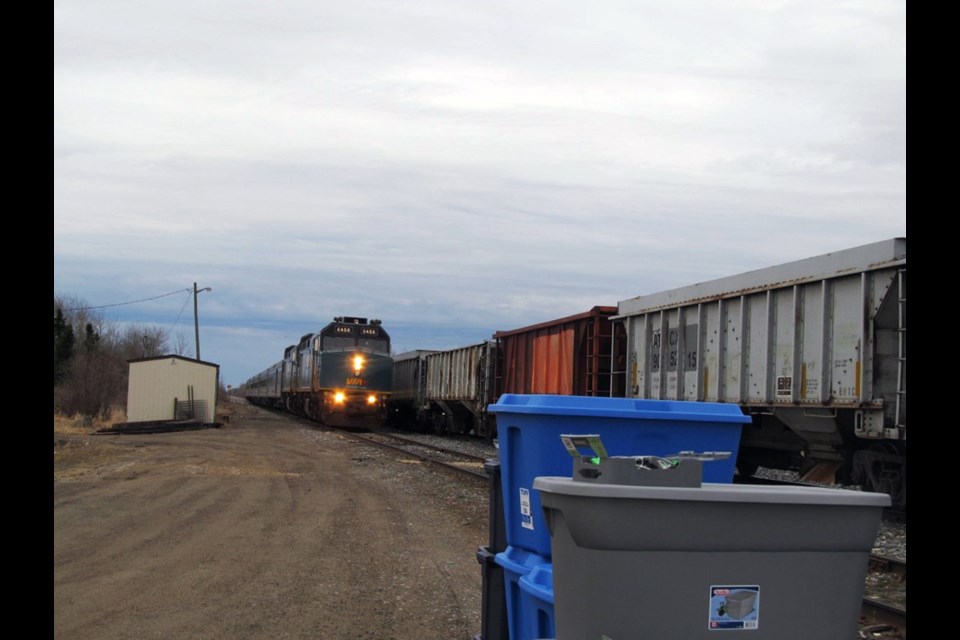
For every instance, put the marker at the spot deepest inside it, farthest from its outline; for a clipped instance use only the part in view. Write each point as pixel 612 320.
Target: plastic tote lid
pixel 633 408
pixel 714 492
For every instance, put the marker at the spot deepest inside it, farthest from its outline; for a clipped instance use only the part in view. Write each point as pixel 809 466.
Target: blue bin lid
pixel 631 408
pixel 519 561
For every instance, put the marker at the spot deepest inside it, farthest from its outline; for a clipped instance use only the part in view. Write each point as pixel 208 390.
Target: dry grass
pixel 82 457
pixel 83 425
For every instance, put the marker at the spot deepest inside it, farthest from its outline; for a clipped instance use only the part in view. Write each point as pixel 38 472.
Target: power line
pixel 185 303
pixel 121 304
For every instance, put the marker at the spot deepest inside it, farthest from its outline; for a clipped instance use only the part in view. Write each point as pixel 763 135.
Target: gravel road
pixel 263 528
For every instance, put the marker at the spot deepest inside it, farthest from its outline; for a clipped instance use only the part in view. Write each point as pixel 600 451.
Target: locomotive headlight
pixel 358 363
pixel 338 397
pixel 371 399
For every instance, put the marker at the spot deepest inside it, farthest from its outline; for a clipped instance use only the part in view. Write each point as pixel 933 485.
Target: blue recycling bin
pixel 536 602
pixel 529 429
pixel 526 615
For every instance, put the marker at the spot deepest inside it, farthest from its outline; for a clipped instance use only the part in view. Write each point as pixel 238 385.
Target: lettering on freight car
pixel 655 352
pixel 673 338
pixel 690 344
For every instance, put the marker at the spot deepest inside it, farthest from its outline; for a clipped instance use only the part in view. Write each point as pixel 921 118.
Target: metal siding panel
pixel 289 375
pixel 805 333
pixel 672 333
pixel 538 362
pixel 758 321
pixel 812 346
pixel 709 356
pixel 690 336
pixel 405 378
pixel 452 375
pixel 656 352
pixel 554 357
pixel 633 373
pixel 517 353
pixel 782 377
pixel 847 310
pixel 808 343
pixel 552 362
pixel 732 351
pixel 566 366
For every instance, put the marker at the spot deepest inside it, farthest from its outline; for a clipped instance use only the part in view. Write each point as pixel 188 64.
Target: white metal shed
pixel 172 388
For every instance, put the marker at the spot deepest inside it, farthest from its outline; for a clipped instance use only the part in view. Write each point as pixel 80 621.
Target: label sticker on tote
pixel 734 607
pixel 526 515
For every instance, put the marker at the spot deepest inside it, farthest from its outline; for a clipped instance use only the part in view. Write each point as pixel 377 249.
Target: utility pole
pixel 196 323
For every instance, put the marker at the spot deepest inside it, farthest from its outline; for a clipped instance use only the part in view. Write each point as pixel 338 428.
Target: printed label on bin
pixel 526 515
pixel 734 607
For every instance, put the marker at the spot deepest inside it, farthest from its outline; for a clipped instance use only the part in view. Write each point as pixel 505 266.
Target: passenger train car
pixel 340 376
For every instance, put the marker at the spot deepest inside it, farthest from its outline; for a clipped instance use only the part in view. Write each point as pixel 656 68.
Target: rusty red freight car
pixel 566 356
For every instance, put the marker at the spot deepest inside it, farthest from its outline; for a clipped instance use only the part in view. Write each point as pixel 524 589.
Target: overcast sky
pixel 457 168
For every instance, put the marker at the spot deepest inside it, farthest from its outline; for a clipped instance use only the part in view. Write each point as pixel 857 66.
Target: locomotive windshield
pixel 337 343
pixel 375 345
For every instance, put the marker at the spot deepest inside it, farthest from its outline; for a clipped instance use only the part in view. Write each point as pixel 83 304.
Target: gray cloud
pixel 457 169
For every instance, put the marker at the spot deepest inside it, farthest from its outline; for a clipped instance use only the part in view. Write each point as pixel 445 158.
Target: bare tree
pixel 181 346
pixel 94 381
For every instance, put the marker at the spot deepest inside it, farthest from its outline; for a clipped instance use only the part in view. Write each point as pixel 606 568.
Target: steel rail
pixel 371 438
pixel 881 616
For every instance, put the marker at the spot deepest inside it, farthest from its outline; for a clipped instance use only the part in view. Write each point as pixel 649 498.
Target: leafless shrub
pixel 94 377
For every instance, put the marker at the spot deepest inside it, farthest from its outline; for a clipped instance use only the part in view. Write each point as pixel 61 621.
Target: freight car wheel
pixel 882 468
pixel 438 424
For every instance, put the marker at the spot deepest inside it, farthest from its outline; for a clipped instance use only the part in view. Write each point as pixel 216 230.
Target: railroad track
pixel 451 459
pixel 884 609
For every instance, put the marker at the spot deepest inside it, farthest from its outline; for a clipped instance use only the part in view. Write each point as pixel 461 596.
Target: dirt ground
pixel 263 528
